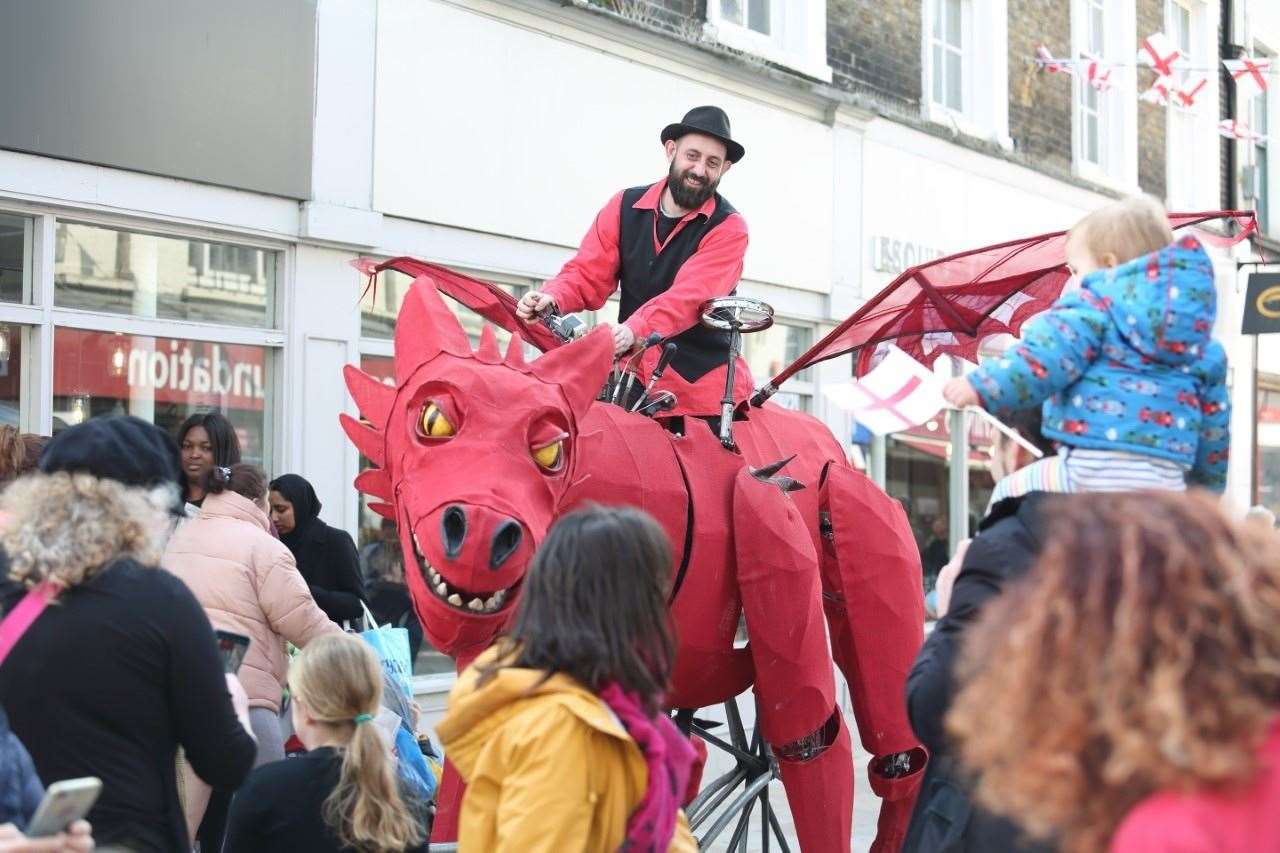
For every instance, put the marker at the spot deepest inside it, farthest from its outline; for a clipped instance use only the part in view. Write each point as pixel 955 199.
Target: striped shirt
pixel 1045 475
pixel 1091 470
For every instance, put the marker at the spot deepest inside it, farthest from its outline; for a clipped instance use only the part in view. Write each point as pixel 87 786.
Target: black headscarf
pixel 306 508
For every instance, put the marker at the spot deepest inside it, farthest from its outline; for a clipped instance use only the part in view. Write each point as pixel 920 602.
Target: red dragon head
pixel 474 453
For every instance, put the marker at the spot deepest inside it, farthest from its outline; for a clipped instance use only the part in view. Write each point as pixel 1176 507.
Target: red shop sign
pixel 124 367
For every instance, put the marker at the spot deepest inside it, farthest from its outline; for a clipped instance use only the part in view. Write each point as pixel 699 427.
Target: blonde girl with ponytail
pixel 347 777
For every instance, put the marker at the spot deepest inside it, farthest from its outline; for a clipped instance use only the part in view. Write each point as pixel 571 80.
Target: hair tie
pixel 225 472
pixel 362 718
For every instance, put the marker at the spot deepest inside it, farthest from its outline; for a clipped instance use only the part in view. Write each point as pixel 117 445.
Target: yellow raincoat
pixel 552 771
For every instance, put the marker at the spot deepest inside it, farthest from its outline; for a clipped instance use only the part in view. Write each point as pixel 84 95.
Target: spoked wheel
pixel 732 797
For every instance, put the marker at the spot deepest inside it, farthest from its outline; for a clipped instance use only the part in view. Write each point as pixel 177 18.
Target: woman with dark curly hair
pixel 1127 691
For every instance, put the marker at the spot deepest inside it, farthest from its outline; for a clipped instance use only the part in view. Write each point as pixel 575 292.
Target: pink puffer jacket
pixel 248 583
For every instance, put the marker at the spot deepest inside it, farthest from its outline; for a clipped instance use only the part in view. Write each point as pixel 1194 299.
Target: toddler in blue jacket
pixel 1132 382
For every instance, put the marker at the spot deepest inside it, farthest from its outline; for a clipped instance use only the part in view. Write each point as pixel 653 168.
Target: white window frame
pixel 1271 190
pixel 984 112
pixel 40 318
pixel 1189 135
pixel 1118 106
pixel 797 36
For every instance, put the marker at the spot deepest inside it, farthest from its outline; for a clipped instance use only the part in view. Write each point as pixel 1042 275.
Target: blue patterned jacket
pixel 1127 362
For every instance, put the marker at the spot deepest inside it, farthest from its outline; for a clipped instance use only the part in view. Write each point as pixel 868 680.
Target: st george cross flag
pixel 1157 51
pixel 1250 74
pixel 1046 60
pixel 896 394
pixel 1185 95
pixel 1159 92
pixel 1232 129
pixel 1099 73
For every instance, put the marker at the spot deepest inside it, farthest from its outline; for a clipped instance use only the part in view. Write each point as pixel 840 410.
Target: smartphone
pixel 64 803
pixel 232 648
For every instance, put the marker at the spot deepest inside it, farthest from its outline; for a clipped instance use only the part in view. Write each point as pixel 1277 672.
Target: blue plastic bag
pixel 392 648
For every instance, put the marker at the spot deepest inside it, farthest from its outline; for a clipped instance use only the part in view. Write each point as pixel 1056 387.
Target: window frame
pixel 1116 109
pixel 1268 201
pixel 1189 128
pixel 40 319
pixel 797 37
pixel 984 89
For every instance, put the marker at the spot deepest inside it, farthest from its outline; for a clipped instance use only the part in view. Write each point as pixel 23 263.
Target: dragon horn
pixel 515 353
pixel 578 368
pixel 375 482
pixel 488 352
pixel 425 328
pixel 373 398
pixel 366 439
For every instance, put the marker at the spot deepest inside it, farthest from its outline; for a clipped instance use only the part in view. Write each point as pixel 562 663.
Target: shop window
pixel 380 305
pixel 15 258
pixel 12 351
pixel 148 275
pixel 768 352
pixel 791 33
pixel 1266 475
pixel 163 380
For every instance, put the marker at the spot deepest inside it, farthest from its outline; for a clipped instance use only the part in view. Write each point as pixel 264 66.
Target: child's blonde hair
pixel 1134 226
pixel 338 680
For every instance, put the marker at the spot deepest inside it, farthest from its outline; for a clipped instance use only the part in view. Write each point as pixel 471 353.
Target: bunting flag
pixel 1250 74
pixel 1046 61
pixel 1232 129
pixel 1157 51
pixel 1098 73
pixel 1159 92
pixel 1185 95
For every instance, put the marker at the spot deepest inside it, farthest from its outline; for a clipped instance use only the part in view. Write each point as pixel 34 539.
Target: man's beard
pixel 687 197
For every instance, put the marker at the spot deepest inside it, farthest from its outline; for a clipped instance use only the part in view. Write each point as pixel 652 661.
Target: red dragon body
pixel 478 453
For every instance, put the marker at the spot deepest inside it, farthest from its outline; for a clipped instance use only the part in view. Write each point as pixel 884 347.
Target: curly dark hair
pixel 1141 653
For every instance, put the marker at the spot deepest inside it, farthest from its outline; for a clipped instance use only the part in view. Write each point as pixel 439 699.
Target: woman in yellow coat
pixel 557 730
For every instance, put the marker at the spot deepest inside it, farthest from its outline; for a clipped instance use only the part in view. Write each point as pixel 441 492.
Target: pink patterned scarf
pixel 669 757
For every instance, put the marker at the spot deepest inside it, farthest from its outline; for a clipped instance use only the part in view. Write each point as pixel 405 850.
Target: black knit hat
pixel 122 448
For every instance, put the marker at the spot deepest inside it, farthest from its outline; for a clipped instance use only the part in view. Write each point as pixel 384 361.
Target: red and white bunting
pixel 1185 95
pixel 1250 74
pixel 1160 92
pixel 1046 61
pixel 1098 73
pixel 1232 129
pixel 1157 51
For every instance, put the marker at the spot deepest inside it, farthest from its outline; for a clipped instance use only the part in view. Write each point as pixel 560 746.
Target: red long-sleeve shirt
pixel 592 275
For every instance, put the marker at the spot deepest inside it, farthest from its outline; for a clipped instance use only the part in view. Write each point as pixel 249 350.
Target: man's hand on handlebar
pixel 534 304
pixel 624 340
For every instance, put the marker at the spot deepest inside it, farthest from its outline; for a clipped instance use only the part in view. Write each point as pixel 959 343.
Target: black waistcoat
pixel 645 273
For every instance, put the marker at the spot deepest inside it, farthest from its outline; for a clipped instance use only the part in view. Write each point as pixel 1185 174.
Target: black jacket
pixel 945 819
pixel 325 555
pixel 107 682
pixel 281 805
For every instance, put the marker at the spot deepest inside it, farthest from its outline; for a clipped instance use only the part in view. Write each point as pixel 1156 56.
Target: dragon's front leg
pixel 777 571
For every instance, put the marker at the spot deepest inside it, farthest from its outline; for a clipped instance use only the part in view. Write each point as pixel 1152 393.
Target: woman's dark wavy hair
pixel 222 435
pixel 594 605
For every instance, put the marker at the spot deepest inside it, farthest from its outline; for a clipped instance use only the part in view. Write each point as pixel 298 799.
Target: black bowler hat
pixel 711 121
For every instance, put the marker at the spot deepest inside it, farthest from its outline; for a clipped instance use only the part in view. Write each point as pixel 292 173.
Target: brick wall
pixel 1040 102
pixel 873 47
pixel 1152 118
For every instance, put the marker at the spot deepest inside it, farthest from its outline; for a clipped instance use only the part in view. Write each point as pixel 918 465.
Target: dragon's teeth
pixel 493 602
pixel 475 604
pixel 455 600
pixel 442 589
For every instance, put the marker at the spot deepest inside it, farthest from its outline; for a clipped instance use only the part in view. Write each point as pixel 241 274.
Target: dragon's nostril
pixel 453 530
pixel 505 542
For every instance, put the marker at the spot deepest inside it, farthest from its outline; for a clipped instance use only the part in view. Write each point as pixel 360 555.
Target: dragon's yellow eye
pixel 434 423
pixel 548 458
